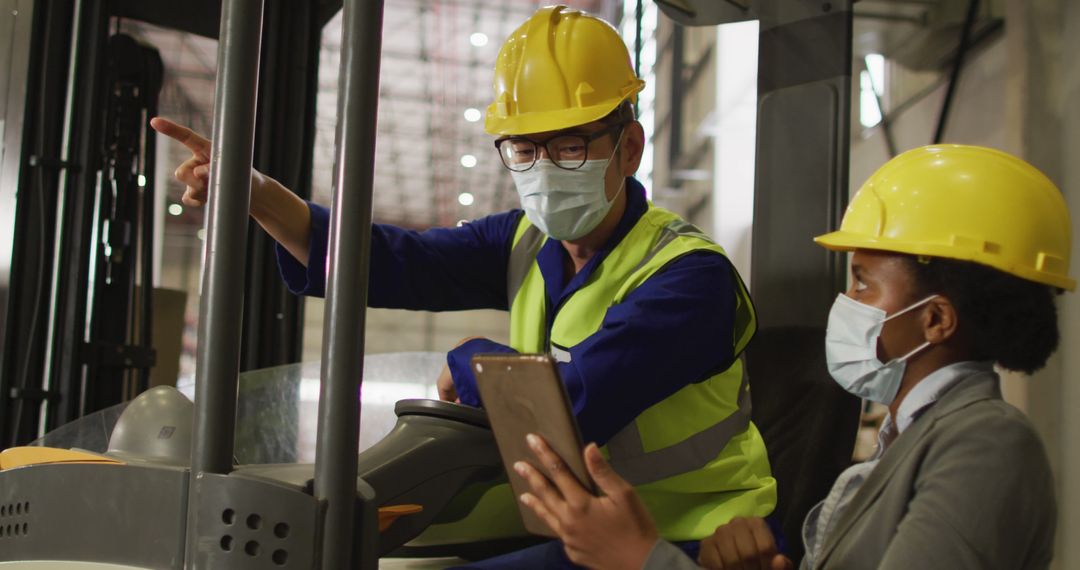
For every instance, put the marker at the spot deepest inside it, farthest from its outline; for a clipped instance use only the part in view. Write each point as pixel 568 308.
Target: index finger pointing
pixel 183 135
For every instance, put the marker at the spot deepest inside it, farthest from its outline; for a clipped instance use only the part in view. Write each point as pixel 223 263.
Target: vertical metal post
pixel 803 123
pixel 220 309
pixel 346 288
pixel 675 119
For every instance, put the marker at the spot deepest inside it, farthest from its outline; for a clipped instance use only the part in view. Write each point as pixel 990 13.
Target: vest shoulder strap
pixel 527 242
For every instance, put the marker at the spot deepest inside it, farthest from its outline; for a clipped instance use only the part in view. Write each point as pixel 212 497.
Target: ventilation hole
pixel 280 557
pixel 26 507
pixel 226 543
pixel 281 530
pixel 228 516
pixel 16 530
pixel 3 510
pixel 25 529
pixel 252 548
pixel 2 533
pixel 254 522
pixel 18 508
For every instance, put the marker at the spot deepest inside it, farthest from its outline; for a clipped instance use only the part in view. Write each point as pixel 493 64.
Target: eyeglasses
pixel 568 152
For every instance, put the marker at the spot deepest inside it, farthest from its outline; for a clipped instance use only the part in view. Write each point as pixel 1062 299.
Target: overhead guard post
pixel 347 283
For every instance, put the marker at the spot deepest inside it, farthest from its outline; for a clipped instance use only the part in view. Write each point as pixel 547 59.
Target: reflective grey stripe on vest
pixel 633 463
pixel 521 259
pixel 672 230
pixel 682 228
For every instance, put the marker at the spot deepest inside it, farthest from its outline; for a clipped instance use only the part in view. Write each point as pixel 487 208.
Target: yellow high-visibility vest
pixel 695 458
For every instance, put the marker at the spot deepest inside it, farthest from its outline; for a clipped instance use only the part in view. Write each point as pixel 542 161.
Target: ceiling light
pixel 472 115
pixel 465 199
pixel 176 209
pixel 468 160
pixel 142 181
pixel 201 234
pixel 478 39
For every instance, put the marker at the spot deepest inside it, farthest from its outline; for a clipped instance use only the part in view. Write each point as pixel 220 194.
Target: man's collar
pixel 636 205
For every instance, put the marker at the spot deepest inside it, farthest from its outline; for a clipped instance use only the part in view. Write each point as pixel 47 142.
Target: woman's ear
pixel 940 320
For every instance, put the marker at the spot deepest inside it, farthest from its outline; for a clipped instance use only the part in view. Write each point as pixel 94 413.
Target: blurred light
pixel 176 209
pixel 691 174
pixel 472 115
pixel 201 234
pixel 462 223
pixel 468 160
pixel 478 39
pixel 142 181
pixel 465 199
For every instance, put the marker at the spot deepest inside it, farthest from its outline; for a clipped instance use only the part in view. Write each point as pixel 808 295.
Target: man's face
pixel 570 148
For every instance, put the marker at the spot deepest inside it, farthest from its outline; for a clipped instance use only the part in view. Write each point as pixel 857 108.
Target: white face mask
pixel 851 342
pixel 565 204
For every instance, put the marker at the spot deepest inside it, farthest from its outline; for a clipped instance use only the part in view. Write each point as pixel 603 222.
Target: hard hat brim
pixel 848 241
pixel 542 122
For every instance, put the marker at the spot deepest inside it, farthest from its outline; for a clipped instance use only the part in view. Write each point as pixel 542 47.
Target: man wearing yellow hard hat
pixel 645 314
pixel 958 253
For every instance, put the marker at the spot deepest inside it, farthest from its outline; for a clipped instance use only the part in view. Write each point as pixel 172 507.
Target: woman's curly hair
pixel 1004 318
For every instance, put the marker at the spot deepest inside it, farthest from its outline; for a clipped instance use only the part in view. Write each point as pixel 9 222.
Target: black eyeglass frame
pixel 587 138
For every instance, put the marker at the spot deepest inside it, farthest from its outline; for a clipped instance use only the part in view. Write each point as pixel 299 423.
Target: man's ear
pixel 940 320
pixel 633 145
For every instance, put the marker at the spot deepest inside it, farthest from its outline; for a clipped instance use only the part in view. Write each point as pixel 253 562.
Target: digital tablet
pixel 524 394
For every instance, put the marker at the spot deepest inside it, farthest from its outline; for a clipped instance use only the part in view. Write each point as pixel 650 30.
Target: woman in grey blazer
pixel 958 252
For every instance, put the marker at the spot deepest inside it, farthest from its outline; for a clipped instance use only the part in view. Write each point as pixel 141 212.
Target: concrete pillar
pixel 1069 473
pixel 1044 127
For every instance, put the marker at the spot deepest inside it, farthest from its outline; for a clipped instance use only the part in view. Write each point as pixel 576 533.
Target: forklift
pixel 164 488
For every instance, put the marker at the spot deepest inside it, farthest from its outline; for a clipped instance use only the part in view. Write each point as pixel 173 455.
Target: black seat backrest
pixel 808 421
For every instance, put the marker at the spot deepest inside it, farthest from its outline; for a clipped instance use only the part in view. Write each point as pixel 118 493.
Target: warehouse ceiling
pixel 434 165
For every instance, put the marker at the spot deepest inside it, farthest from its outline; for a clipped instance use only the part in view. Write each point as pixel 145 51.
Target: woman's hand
pixel 743 544
pixel 610 531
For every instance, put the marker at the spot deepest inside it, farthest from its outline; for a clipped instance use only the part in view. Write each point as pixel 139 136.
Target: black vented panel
pixel 14 520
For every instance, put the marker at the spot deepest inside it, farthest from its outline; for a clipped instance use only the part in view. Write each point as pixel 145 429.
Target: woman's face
pixel 884 280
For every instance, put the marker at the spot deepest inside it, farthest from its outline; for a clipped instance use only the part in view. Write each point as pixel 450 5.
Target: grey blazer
pixel 967 485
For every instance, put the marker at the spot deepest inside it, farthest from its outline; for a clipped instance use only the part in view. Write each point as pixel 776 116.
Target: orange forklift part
pixel 387 515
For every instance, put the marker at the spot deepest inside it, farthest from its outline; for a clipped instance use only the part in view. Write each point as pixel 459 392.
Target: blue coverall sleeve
pixel 673 330
pixel 459 360
pixel 440 269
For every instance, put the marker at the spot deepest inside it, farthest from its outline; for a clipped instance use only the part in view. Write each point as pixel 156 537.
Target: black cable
pixel 961 51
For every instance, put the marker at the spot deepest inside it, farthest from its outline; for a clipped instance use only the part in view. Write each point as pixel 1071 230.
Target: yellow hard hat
pixel 963 202
pixel 559 69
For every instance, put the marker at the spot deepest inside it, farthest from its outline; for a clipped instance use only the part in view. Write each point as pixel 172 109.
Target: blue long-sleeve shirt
pixel 674 329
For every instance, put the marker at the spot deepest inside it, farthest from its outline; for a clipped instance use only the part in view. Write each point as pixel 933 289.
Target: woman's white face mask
pixel 566 204
pixel 851 342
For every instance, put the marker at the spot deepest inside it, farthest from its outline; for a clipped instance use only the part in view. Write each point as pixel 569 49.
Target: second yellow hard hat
pixel 559 69
pixel 963 202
